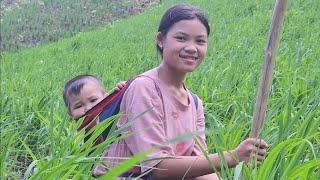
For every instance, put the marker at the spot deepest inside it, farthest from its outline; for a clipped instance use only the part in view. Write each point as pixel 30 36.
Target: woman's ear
pixel 159 40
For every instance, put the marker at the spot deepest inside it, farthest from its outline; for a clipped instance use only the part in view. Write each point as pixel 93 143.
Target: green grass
pixel 35 125
pixel 26 24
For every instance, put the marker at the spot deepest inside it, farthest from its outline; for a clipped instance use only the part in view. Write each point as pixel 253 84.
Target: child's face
pixel 185 45
pixel 90 94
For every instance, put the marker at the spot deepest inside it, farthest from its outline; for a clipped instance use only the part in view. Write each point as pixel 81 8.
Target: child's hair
pixel 75 85
pixel 178 13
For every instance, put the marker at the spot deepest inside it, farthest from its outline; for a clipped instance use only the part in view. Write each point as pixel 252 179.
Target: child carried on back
pixel 83 92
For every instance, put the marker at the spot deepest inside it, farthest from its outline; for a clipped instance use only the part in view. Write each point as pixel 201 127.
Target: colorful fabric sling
pixel 108 107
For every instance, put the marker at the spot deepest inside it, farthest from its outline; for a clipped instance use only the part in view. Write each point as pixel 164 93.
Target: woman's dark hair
pixel 177 13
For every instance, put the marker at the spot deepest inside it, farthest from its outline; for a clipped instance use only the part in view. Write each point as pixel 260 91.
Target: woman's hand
pixel 250 150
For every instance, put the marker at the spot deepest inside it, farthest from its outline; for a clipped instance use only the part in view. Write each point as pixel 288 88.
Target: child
pixel 182 41
pixel 83 92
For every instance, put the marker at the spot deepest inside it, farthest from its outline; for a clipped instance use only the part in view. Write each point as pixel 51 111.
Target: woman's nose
pixel 191 48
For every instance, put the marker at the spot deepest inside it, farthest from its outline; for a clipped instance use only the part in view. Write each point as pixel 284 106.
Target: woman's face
pixel 184 46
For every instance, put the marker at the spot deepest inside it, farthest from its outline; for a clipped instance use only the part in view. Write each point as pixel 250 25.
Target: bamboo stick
pixel 267 69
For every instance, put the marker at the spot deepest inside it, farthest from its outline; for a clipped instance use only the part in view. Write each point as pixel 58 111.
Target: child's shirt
pixel 167 119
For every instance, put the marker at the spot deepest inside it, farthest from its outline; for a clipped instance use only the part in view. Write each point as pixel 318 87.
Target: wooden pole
pixel 267 69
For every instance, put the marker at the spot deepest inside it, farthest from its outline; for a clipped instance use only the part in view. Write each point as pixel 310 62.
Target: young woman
pixel 182 42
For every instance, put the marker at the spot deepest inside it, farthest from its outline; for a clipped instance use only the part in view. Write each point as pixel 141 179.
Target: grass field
pixel 35 126
pixel 29 23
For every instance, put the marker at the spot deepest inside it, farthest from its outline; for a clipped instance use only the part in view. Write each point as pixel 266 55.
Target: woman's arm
pixel 177 168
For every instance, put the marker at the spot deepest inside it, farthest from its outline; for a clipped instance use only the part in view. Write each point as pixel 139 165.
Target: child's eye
pixel 93 100
pixel 77 106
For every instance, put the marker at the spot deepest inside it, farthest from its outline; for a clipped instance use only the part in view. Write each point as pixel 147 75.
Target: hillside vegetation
pixel 28 23
pixel 35 126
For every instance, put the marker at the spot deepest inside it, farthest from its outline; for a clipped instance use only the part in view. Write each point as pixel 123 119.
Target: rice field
pixel 38 139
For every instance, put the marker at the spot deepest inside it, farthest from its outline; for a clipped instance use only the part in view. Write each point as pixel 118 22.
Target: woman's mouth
pixel 188 57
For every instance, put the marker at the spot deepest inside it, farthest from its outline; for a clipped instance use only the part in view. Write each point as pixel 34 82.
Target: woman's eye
pixel 180 38
pixel 201 41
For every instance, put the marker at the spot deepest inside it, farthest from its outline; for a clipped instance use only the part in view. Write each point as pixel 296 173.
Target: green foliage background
pixel 29 23
pixel 32 109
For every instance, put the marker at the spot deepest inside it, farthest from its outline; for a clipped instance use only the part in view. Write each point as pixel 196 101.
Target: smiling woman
pixel 182 41
pixel 184 46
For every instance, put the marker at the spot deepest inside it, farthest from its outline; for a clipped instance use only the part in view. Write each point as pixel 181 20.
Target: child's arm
pixel 175 168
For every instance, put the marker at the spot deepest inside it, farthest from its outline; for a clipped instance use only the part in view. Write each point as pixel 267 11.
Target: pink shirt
pixel 167 119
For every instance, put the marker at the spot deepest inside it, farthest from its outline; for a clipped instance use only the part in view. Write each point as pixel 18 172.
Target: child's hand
pixel 120 85
pixel 251 149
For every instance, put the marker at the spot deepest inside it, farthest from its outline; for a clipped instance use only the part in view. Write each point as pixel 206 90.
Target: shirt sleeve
pixel 200 127
pixel 149 129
